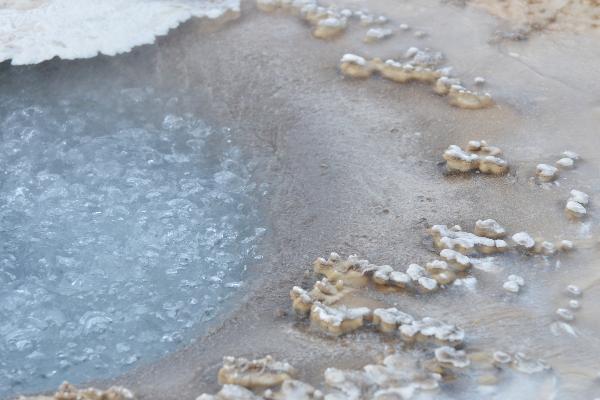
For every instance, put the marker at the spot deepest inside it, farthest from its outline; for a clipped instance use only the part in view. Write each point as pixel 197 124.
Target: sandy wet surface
pixel 355 167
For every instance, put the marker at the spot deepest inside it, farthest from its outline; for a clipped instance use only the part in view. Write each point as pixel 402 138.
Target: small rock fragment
pixel 565 163
pixel 489 228
pixel 579 196
pixel 330 27
pixel 355 66
pixel 450 357
pixel 575 210
pixel 546 173
pixel 523 240
pixel 513 283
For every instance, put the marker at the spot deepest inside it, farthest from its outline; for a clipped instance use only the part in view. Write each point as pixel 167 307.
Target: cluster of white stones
pixel 478 156
pixel 264 372
pixel 567 314
pixel 395 378
pixel 454 238
pixel 261 379
pixel 568 160
pixel 575 207
pixel 66 391
pixel 420 65
pixel 357 273
pixel 324 291
pixel 327 22
pixel 524 242
pixel 432 330
pixel 549 173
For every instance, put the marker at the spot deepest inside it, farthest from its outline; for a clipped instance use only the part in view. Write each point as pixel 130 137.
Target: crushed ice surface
pixel 122 226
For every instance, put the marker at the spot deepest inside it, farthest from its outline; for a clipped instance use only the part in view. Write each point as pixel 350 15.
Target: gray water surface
pixel 125 220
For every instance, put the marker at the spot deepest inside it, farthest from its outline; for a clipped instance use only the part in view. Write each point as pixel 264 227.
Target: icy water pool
pixel 125 220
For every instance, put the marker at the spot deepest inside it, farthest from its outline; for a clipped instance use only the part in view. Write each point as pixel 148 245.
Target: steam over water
pixel 124 221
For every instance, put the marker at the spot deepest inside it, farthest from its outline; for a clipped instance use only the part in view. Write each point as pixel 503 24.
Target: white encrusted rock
pixel 579 196
pixel 340 320
pixel 489 228
pixel 546 173
pixel 260 373
pixel 450 357
pixel 523 240
pixel 575 210
pixel 389 319
pixel 355 66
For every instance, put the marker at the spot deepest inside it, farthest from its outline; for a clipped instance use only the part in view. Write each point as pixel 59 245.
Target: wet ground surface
pixel 355 168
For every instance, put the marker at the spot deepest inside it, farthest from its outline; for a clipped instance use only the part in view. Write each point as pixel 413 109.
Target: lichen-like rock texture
pixel 66 391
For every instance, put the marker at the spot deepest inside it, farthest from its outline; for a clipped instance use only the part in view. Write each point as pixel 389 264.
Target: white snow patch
pixel 72 29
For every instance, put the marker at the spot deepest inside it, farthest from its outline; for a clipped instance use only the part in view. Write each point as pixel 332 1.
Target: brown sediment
pixel 534 16
pixel 348 172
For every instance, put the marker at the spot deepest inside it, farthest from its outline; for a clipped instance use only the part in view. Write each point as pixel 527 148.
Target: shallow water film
pixel 353 199
pixel 124 222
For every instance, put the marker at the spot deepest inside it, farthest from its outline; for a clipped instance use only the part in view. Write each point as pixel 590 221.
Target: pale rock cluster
pixel 328 22
pixel 324 291
pixel 576 205
pixel 454 238
pixel 567 160
pixel 66 391
pixel 567 315
pixel 251 374
pixel 262 379
pixel 549 173
pixel 420 65
pixel 395 378
pixel 432 330
pixel 357 273
pixel 477 156
pixel 339 320
pixel 524 242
